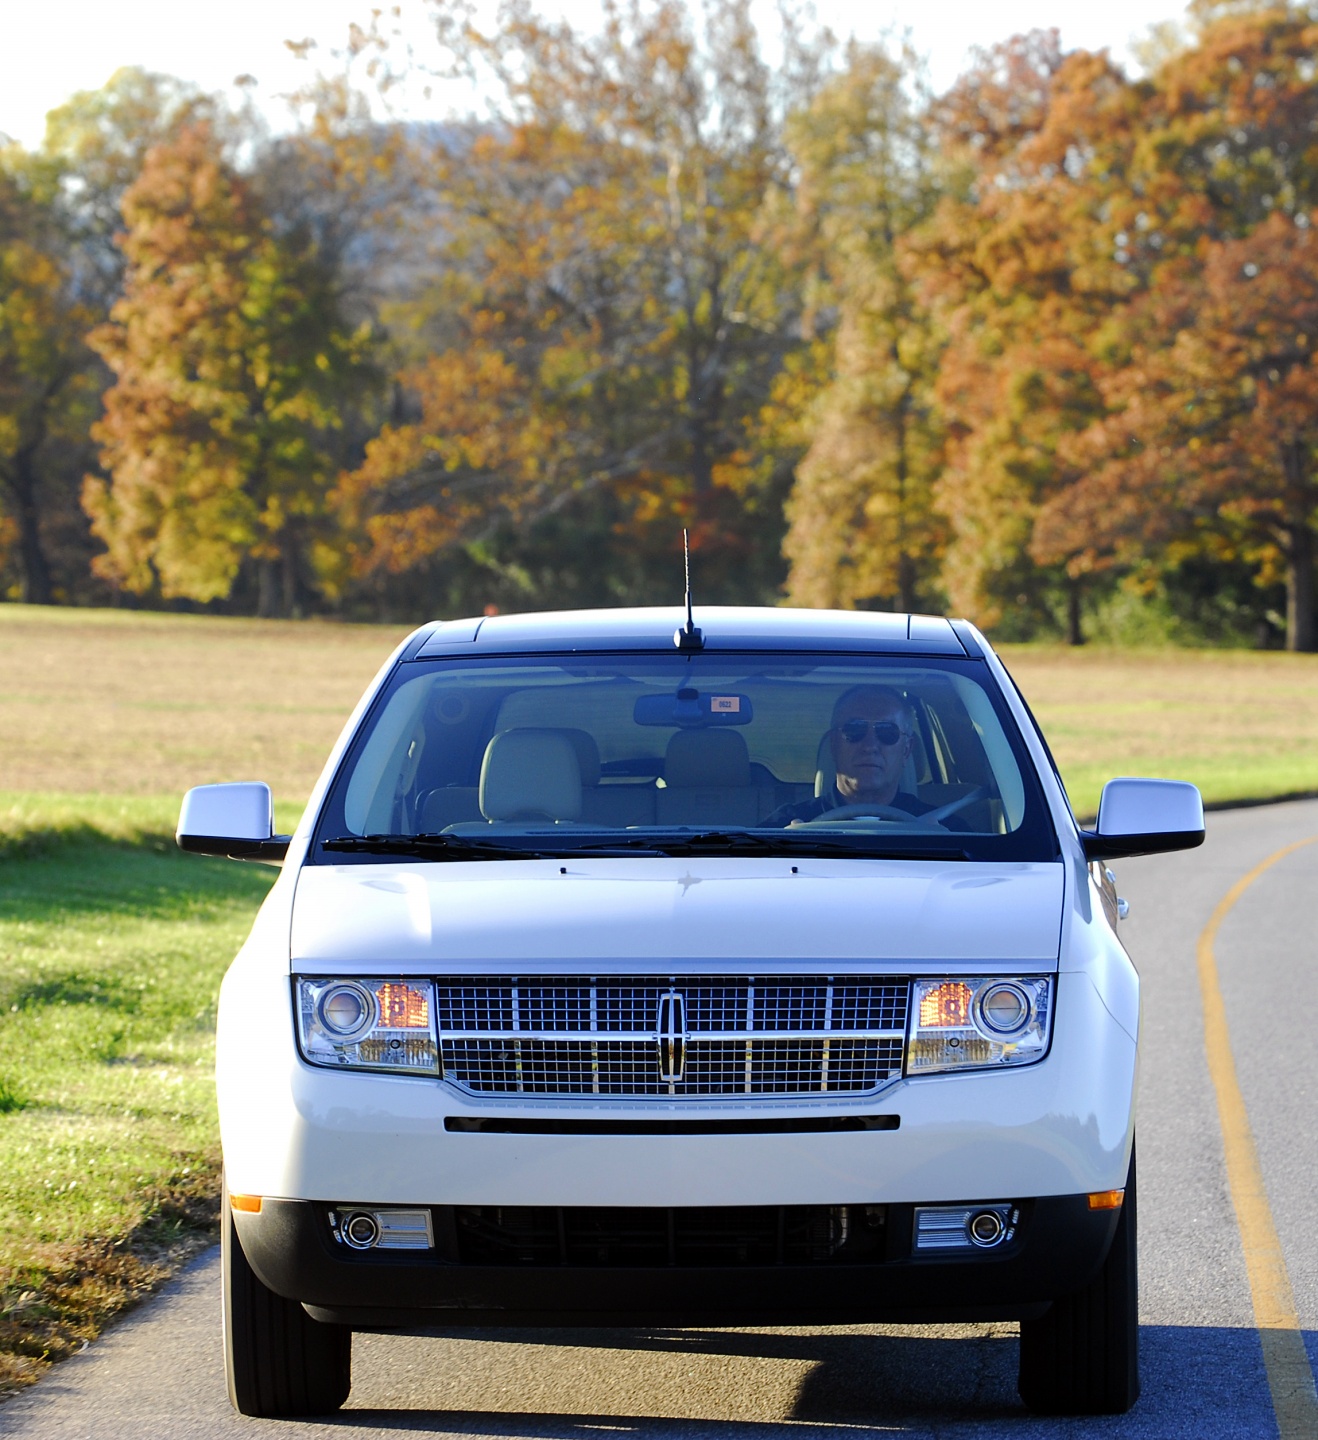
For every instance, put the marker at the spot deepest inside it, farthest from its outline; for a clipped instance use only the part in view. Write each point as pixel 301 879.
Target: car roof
pixel 722 628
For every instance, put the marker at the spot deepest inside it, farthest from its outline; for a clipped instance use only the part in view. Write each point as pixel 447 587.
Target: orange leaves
pixel 230 362
pixel 1127 285
pixel 475 449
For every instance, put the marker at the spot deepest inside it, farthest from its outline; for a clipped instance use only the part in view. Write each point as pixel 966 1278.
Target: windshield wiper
pixel 777 842
pixel 434 847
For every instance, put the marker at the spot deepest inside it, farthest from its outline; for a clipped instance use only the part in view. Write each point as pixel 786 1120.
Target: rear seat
pixel 614 806
pixel 453 805
pixel 618 806
pixel 707 781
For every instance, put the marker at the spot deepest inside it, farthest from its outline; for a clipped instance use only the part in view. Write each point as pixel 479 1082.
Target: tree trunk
pixel 268 588
pixel 292 579
pixel 905 583
pixel 35 585
pixel 1297 542
pixel 1301 622
pixel 905 562
pixel 1075 634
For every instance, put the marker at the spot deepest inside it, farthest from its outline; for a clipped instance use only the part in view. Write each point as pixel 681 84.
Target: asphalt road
pixel 158 1374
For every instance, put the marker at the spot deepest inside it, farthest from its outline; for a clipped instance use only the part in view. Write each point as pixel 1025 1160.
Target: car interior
pixel 472 759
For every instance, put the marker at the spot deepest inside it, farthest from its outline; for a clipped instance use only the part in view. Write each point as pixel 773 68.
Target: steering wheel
pixel 870 812
pixel 860 809
pixel 953 806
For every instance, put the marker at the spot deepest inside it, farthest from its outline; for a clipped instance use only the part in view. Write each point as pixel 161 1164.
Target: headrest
pixel 825 769
pixel 588 752
pixel 706 759
pixel 530 775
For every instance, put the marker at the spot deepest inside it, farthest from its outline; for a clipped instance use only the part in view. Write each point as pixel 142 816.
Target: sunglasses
pixel 886 732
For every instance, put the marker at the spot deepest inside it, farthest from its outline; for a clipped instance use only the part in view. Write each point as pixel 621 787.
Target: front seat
pixel 530 776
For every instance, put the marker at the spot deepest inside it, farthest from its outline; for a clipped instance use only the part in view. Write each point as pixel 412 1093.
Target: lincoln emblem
pixel 672 1035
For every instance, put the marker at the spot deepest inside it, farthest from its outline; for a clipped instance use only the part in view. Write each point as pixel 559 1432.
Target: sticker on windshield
pixel 724 703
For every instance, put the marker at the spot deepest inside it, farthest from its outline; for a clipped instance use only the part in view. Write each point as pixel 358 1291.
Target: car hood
pixel 618 913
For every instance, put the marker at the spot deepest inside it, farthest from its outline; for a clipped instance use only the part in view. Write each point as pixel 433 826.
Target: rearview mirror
pixel 236 821
pixel 692 709
pixel 1145 817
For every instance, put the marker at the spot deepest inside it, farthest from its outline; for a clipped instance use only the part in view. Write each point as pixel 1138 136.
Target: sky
pixel 53 48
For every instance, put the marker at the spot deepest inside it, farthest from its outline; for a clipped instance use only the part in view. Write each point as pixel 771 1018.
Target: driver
pixel 870 738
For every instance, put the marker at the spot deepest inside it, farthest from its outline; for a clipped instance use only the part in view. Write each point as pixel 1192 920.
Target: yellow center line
pixel 1290 1378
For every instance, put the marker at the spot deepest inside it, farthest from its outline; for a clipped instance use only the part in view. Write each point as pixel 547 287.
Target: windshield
pixel 676 753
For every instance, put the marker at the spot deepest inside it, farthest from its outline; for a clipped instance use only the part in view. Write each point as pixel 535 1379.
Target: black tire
pixel 277 1359
pixel 1082 1356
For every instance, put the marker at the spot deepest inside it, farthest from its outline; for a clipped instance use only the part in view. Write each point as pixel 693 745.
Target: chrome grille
pixel 671 1036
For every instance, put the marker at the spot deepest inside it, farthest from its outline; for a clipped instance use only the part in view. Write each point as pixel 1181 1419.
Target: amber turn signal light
pixel 946 1006
pixel 1106 1199
pixel 252 1203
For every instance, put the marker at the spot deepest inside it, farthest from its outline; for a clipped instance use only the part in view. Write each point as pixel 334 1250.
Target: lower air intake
pixel 677 1236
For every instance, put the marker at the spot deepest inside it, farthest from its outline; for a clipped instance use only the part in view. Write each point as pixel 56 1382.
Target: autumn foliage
pixel 228 361
pixel 1035 349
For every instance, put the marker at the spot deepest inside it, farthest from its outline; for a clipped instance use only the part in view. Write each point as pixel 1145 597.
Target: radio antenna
pixel 688 637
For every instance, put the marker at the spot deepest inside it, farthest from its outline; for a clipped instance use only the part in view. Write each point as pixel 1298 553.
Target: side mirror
pixel 232 820
pixel 1145 817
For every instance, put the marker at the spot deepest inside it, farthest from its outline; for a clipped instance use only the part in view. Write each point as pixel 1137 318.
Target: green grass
pixel 41 820
pixel 110 960
pixel 1239 724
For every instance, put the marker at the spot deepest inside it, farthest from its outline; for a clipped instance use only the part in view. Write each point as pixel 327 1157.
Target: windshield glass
pixel 616 754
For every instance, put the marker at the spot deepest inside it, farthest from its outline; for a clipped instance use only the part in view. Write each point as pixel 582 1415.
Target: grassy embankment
pixel 112 944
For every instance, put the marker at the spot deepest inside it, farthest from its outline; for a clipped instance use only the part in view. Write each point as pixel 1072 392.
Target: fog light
pixel 964 1227
pixel 362 1229
pixel 986 1228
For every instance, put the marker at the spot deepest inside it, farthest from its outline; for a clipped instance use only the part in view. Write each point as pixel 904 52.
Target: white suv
pixel 620 974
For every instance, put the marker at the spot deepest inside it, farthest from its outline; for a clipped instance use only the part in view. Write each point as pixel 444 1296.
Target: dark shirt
pixel 819 806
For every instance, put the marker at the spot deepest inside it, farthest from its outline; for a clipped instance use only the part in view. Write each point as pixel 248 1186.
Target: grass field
pixel 1242 725
pixel 110 958
pixel 112 944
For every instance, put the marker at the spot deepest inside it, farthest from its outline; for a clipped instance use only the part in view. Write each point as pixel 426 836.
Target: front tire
pixel 1082 1356
pixel 277 1360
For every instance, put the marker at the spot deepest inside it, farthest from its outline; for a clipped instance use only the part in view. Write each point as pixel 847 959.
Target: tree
pixel 46 395
pixel 231 362
pixel 1206 434
pixel 1216 430
pixel 861 520
pixel 609 319
pixel 96 143
pixel 1020 270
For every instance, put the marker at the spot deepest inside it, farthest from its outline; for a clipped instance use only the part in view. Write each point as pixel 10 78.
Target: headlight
pixel 978 1021
pixel 368 1024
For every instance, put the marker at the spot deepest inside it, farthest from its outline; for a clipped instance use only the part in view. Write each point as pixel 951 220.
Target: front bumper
pixel 1057 1249
pixel 1059 1127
